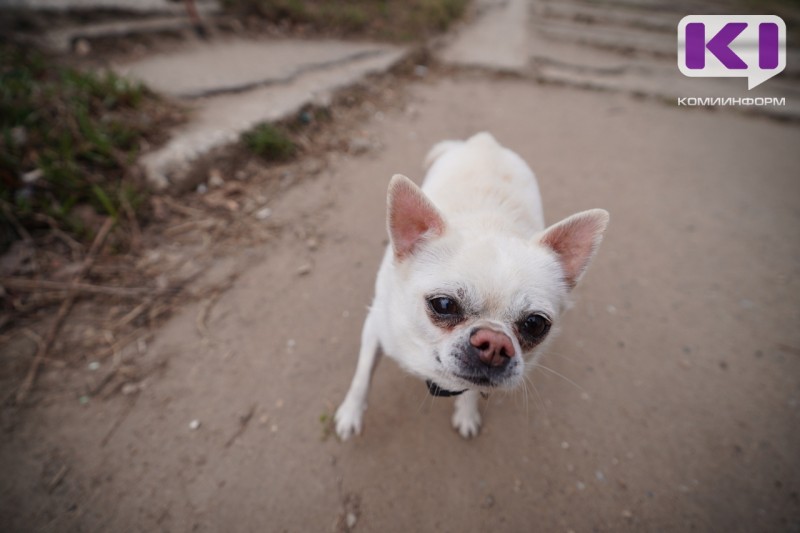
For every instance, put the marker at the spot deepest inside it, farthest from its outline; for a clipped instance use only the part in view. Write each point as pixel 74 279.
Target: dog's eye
pixel 535 327
pixel 443 306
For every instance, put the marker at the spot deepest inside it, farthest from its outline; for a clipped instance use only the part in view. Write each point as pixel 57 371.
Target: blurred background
pixel 192 205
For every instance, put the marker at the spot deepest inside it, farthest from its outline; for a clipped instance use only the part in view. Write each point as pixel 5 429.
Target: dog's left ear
pixel 412 218
pixel 575 241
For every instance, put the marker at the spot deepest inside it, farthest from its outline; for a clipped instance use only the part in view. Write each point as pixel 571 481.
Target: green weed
pixel 270 142
pixel 67 137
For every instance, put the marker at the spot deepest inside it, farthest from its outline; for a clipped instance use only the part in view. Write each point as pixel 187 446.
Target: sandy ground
pixel 679 406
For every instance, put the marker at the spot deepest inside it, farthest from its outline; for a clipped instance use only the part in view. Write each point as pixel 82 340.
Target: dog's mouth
pixel 483 381
pixel 485 376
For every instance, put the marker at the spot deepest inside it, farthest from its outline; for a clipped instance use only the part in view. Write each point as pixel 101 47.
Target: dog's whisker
pixel 562 376
pixel 564 357
pixel 539 398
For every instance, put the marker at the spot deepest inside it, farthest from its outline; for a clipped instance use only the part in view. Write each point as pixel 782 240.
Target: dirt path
pixel 683 349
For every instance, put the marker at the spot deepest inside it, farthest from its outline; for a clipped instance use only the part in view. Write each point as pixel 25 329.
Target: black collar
pixel 436 390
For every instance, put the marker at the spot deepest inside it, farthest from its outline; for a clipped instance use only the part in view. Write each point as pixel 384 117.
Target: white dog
pixel 472 286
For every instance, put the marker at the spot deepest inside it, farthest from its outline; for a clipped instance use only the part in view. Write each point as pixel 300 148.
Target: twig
pixel 182 209
pixel 24 284
pixel 118 346
pixel 133 314
pixel 57 479
pixel 9 213
pixel 75 246
pixel 118 421
pixel 202 316
pixel 205 224
pixel 63 311
pixel 243 421
pixel 136 230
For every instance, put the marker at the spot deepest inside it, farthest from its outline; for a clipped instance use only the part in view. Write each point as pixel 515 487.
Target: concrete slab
pixel 211 68
pixel 146 6
pixel 496 40
pixel 627 40
pixel 219 120
pixel 61 40
pixel 594 14
pixel 575 44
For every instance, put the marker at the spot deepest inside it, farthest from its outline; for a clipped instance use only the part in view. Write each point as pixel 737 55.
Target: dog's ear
pixel 575 241
pixel 412 218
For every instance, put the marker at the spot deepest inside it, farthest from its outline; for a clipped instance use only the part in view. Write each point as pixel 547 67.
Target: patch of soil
pixel 178 255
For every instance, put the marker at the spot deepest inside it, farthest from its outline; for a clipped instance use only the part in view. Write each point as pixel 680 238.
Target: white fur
pixel 489 253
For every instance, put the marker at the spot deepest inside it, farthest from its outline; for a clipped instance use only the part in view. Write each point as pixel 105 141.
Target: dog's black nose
pixel 494 348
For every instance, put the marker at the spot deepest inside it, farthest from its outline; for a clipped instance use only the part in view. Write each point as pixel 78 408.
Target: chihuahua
pixel 472 285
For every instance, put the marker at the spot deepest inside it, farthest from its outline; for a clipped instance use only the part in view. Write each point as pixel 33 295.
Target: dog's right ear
pixel 412 218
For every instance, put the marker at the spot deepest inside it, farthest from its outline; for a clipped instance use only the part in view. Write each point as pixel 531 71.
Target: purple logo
pixel 751 46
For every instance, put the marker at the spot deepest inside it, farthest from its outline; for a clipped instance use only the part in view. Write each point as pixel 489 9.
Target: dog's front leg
pixel 350 414
pixel 466 417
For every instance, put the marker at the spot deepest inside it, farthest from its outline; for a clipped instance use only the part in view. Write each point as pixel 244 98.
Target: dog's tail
pixel 438 150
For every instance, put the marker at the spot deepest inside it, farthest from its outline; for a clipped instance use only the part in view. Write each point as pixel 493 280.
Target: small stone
pixel 312 167
pixel 580 485
pixel 599 476
pixel 83 400
pixel 359 146
pixel 202 188
pixel 194 424
pixel 82 47
pixel 585 396
pixel 626 514
pixel 264 213
pixel 488 502
pixel 565 445
pixel 94 365
pixel 274 428
pixel 32 176
pixel 611 309
pixel 130 388
pixel 215 180
pixel 19 135
pixel 420 71
pixel 304 269
pixel 240 175
pixel 312 243
pixel 351 520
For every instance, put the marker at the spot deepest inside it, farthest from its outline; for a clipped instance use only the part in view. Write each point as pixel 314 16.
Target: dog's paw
pixel 348 419
pixel 467 422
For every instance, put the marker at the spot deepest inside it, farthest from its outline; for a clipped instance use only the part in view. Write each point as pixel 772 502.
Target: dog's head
pixel 472 305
